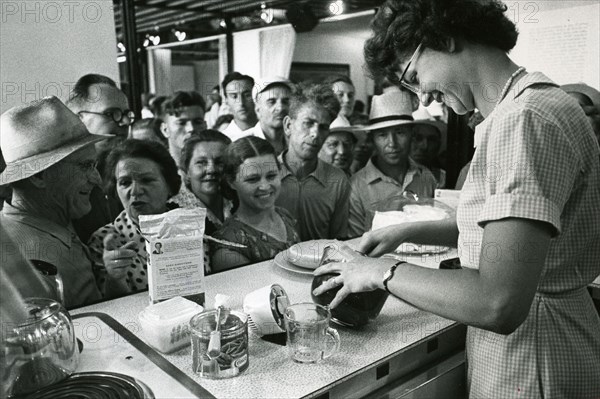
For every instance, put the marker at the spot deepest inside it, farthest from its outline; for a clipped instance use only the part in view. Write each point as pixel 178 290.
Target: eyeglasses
pixel 115 114
pixel 405 84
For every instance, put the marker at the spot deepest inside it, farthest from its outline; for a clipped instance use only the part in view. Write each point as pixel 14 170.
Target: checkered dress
pixel 537 158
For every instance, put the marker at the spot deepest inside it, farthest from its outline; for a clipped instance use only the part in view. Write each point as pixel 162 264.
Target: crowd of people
pixel 279 163
pixel 275 163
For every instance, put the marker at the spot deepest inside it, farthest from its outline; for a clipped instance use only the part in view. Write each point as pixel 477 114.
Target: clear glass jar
pixel 41 350
pixel 233 357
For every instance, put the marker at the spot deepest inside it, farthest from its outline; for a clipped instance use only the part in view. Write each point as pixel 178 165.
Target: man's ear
pixel 164 129
pixel 287 126
pixel 39 180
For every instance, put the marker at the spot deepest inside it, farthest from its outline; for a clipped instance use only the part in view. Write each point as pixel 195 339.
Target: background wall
pixel 46 46
pixel 339 42
pixel 559 38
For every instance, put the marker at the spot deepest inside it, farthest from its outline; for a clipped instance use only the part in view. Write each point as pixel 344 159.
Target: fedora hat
pixel 38 135
pixel 389 109
pixel 590 92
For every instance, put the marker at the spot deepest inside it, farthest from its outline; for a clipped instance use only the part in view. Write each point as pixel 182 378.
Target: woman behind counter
pixel 526 227
pixel 144 176
pixel 253 171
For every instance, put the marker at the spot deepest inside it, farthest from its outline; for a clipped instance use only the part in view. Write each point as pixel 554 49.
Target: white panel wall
pixel 339 42
pixel 46 46
pixel 559 38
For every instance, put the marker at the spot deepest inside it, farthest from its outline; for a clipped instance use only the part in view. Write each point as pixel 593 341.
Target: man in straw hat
pixel 50 165
pixel 338 147
pixel 390 172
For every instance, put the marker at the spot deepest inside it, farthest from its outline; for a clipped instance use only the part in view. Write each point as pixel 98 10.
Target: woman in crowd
pixel 202 160
pixel 527 223
pixel 253 171
pixel 144 176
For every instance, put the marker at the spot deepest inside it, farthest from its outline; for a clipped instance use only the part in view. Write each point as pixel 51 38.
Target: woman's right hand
pixel 382 241
pixel 117 258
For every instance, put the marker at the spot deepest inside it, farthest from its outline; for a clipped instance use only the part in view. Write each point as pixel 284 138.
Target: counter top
pixel 398 328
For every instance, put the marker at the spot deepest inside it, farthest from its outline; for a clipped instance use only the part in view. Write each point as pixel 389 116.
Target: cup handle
pixel 335 337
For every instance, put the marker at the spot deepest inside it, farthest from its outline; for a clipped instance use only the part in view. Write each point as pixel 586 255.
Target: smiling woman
pixel 144 176
pixel 252 170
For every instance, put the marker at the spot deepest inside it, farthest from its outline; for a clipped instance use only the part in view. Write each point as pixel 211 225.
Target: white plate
pixel 418 249
pixel 280 261
pixel 307 254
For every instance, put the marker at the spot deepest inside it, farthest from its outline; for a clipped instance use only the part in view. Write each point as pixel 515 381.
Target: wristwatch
pixel 387 276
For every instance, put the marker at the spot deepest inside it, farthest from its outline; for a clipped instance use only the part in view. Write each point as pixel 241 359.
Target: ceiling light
pixel 146 41
pixel 121 47
pixel 336 7
pixel 180 35
pixel 223 24
pixel 267 15
pixel 155 39
pixel 263 5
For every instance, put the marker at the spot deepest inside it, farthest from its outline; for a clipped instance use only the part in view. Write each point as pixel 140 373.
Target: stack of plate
pixel 303 257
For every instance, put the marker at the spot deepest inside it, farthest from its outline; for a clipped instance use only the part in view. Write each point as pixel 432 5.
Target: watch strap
pixel 390 274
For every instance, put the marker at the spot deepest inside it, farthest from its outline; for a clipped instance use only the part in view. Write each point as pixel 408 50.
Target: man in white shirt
pixel 238 97
pixel 272 104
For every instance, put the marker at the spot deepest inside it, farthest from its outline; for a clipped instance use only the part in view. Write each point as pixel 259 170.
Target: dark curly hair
pixel 400 25
pixel 244 148
pixel 152 150
pixel 320 94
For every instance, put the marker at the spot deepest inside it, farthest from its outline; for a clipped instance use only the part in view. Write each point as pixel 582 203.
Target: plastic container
pixel 166 325
pixel 233 357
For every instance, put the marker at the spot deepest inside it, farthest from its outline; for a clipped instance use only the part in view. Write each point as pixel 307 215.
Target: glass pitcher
pixel 39 351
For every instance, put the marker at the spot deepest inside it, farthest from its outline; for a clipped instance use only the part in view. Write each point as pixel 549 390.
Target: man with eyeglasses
pixel 101 105
pixel 103 108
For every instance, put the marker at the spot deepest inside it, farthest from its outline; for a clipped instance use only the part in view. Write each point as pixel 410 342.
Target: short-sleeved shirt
pixel 42 239
pixel 319 201
pixel 255 130
pixel 259 246
pixel 537 158
pixel 370 187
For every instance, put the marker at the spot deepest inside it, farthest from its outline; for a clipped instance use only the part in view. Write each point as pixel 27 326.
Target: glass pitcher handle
pixel 333 335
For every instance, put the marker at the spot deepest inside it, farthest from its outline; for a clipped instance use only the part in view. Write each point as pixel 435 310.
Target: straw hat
pixel 440 126
pixel 584 89
pixel 389 109
pixel 38 135
pixel 264 83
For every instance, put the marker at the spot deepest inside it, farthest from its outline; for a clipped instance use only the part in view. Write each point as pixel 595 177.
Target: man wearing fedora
pixel 338 147
pixel 50 165
pixel 390 172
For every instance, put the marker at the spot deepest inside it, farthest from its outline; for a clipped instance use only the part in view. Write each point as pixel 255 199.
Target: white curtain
pixel 277 50
pixel 222 58
pixel 159 72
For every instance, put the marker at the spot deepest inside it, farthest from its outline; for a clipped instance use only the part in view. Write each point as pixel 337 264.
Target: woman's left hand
pixel 359 275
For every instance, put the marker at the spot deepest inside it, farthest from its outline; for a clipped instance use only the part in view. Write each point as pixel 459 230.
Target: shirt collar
pixel 62 233
pixel 372 173
pixel 320 172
